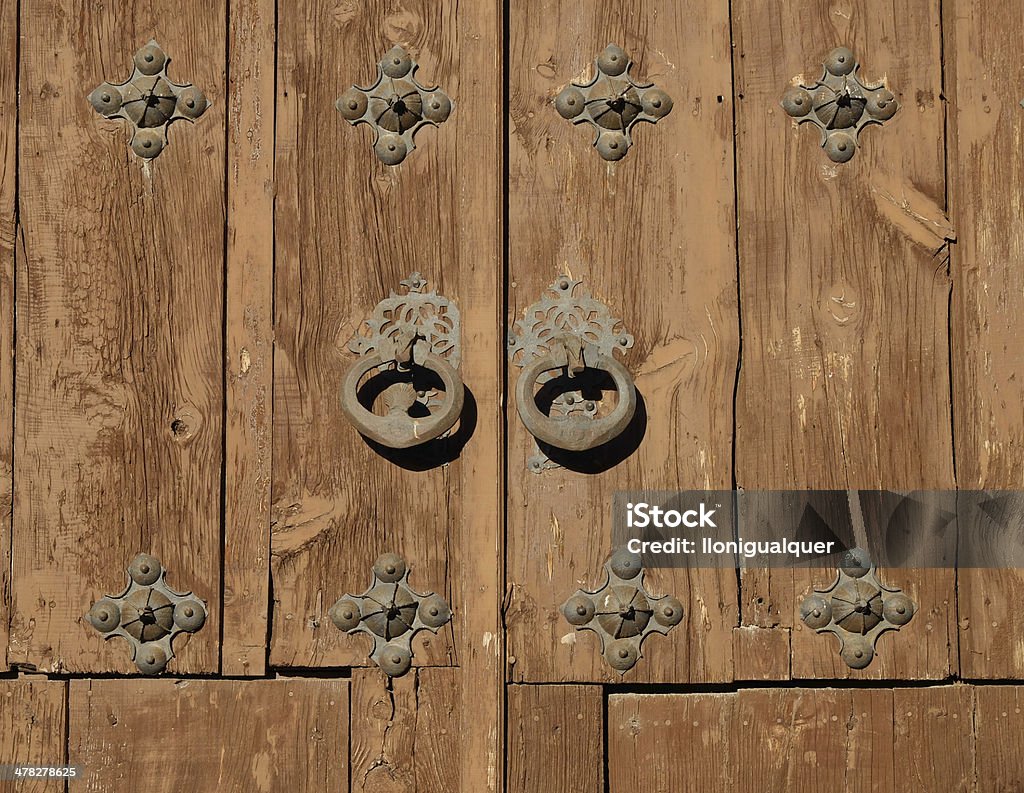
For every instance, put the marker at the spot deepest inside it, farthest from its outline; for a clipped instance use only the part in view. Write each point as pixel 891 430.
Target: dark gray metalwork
pixel 148 615
pixel 417 329
pixel 395 106
pixel 622 612
pixel 840 104
pixel 392 613
pixel 568 330
pixel 149 101
pixel 857 608
pixel 613 103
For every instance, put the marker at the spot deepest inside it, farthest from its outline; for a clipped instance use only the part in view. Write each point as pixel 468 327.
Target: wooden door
pixel 175 340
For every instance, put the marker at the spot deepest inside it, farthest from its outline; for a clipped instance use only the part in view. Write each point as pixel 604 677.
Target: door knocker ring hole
pixel 409 391
pixel 591 419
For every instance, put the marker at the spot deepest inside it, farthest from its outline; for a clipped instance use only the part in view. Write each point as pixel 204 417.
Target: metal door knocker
pixel 148 614
pixel 392 613
pixel 395 107
pixel 410 346
pixel 565 342
pixel 622 612
pixel 840 105
pixel 149 101
pixel 857 608
pixel 612 103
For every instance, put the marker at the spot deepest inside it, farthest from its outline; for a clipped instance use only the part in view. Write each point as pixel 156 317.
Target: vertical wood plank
pixel 440 734
pixel 648 243
pixel 348 229
pixel 555 739
pixel 337 502
pixel 934 739
pixel 8 236
pixel 844 285
pixel 266 735
pixel 249 335
pixel 987 167
pixel 998 723
pixel 406 734
pixel 760 653
pixel 32 730
pixel 670 744
pixel 120 309
pixel 794 737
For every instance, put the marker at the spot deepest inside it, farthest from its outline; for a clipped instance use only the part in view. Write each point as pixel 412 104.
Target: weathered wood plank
pixel 267 735
pixel 406 735
pixel 249 335
pixel 337 502
pixel 8 237
pixel 119 340
pixel 670 744
pixel 986 170
pixel 760 653
pixel 935 739
pixel 998 724
pixel 648 243
pixel 32 730
pixel 555 739
pixel 844 299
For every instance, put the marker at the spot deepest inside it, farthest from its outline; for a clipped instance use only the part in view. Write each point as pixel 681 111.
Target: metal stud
pixel 148 614
pixel 840 105
pixel 622 613
pixel 395 107
pixel 613 103
pixel 857 608
pixel 392 613
pixel 149 101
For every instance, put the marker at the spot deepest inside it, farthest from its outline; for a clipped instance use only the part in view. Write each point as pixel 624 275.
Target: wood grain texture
pixel 273 736
pixel 998 724
pixel 249 336
pixel 873 740
pixel 844 285
pixel 119 378
pixel 648 243
pixel 8 237
pixel 670 744
pixel 555 739
pixel 986 169
pixel 348 230
pixel 760 653
pixel 405 732
pixel 935 740
pixel 32 730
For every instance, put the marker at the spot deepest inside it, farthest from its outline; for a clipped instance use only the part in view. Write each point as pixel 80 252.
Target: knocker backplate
pixel 432 318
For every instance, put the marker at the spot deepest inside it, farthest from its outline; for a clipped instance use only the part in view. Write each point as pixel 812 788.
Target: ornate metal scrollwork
pixel 392 613
pixel 406 337
pixel 395 106
pixel 148 615
pixel 149 101
pixel 857 608
pixel 840 105
pixel 569 330
pixel 622 612
pixel 613 103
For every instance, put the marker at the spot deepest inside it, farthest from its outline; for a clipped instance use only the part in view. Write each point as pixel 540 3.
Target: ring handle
pixel 569 433
pixel 398 430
